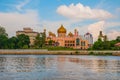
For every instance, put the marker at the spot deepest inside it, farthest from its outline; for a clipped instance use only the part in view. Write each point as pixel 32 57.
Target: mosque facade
pixel 71 40
pixel 62 39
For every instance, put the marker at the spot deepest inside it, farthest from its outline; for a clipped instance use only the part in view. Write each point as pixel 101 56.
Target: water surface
pixel 59 67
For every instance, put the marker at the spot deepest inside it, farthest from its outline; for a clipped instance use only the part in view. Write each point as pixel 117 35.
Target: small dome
pixel 52 34
pixel 88 34
pixel 70 34
pixel 61 29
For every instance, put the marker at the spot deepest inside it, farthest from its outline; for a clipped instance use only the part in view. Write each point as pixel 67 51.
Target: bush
pixel 25 47
pixel 76 52
pixel 57 48
pixel 91 53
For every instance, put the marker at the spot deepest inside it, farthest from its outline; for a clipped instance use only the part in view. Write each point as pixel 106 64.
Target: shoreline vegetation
pixel 58 52
pixel 20 44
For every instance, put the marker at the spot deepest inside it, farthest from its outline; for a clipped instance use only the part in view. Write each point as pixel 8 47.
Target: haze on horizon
pixel 85 15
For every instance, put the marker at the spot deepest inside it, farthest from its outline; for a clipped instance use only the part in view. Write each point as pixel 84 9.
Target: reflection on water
pixel 59 67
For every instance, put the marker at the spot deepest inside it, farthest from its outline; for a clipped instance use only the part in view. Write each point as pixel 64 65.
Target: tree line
pixel 106 45
pixel 21 41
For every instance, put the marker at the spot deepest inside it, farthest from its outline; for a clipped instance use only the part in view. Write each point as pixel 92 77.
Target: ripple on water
pixel 59 67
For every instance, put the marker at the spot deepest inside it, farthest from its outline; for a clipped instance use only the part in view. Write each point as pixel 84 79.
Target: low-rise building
pixel 117 44
pixel 29 32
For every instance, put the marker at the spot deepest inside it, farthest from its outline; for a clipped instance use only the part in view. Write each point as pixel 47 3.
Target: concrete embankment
pixel 62 52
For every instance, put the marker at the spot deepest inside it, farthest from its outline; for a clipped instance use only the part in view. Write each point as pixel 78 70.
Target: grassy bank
pixel 57 52
pixel 101 53
pixel 57 48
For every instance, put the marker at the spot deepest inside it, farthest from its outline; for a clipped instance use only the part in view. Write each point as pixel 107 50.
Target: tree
pixel 3 31
pixel 118 39
pixel 3 42
pixel 37 42
pixel 50 42
pixel 13 42
pixel 23 40
pixel 106 45
pixel 98 45
pixel 40 40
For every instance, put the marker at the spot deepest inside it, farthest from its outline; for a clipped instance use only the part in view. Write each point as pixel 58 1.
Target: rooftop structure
pixel 102 37
pixel 29 32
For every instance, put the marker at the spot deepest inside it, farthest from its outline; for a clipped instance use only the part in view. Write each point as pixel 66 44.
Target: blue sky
pixel 84 15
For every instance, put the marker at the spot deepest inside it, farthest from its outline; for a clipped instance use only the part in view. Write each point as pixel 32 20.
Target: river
pixel 59 67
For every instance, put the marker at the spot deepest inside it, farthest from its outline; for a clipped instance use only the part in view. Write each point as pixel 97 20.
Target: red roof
pixel 117 44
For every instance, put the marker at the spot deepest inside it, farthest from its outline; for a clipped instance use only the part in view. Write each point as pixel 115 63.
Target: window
pixel 77 41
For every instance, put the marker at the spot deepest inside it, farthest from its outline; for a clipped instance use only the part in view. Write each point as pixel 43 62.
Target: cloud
pixel 13 21
pixel 81 12
pixel 112 24
pixel 21 5
pixel 95 28
pixel 112 35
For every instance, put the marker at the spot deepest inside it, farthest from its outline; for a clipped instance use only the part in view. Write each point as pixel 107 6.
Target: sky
pixel 84 15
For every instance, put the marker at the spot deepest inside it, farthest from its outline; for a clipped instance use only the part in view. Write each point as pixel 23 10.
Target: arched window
pixel 77 41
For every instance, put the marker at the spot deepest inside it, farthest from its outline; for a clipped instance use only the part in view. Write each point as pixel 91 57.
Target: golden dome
pixel 61 29
pixel 52 34
pixel 70 34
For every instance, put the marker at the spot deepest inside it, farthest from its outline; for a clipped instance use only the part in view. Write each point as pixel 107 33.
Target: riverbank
pixel 60 52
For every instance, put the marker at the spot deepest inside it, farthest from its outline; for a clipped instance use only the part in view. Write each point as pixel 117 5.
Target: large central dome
pixel 61 29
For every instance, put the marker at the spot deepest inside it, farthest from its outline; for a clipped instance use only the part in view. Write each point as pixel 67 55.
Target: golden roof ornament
pixel 61 29
pixel 70 34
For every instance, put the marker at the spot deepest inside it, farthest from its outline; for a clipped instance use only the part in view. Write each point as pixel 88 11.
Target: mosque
pixel 71 40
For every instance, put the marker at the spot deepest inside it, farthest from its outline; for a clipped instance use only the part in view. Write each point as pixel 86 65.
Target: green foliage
pixel 3 42
pixel 57 48
pixel 13 43
pixel 100 53
pixel 25 47
pixel 37 42
pixel 98 45
pixel 23 40
pixel 40 40
pixel 50 42
pixel 91 53
pixel 105 45
pixel 118 39
pixel 3 31
pixel 76 52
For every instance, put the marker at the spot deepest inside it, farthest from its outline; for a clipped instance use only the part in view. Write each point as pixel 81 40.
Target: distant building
pixel 89 37
pixel 71 40
pixel 117 44
pixel 29 32
pixel 102 37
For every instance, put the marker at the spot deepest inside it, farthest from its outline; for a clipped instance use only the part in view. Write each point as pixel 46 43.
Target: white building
pixel 89 37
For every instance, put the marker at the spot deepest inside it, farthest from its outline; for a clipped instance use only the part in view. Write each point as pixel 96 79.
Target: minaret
pixel 102 37
pixel 75 32
pixel 44 33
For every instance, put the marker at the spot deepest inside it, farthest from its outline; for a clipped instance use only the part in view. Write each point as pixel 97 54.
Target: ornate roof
pixel 70 34
pixel 117 44
pixel 52 34
pixel 88 34
pixel 61 29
